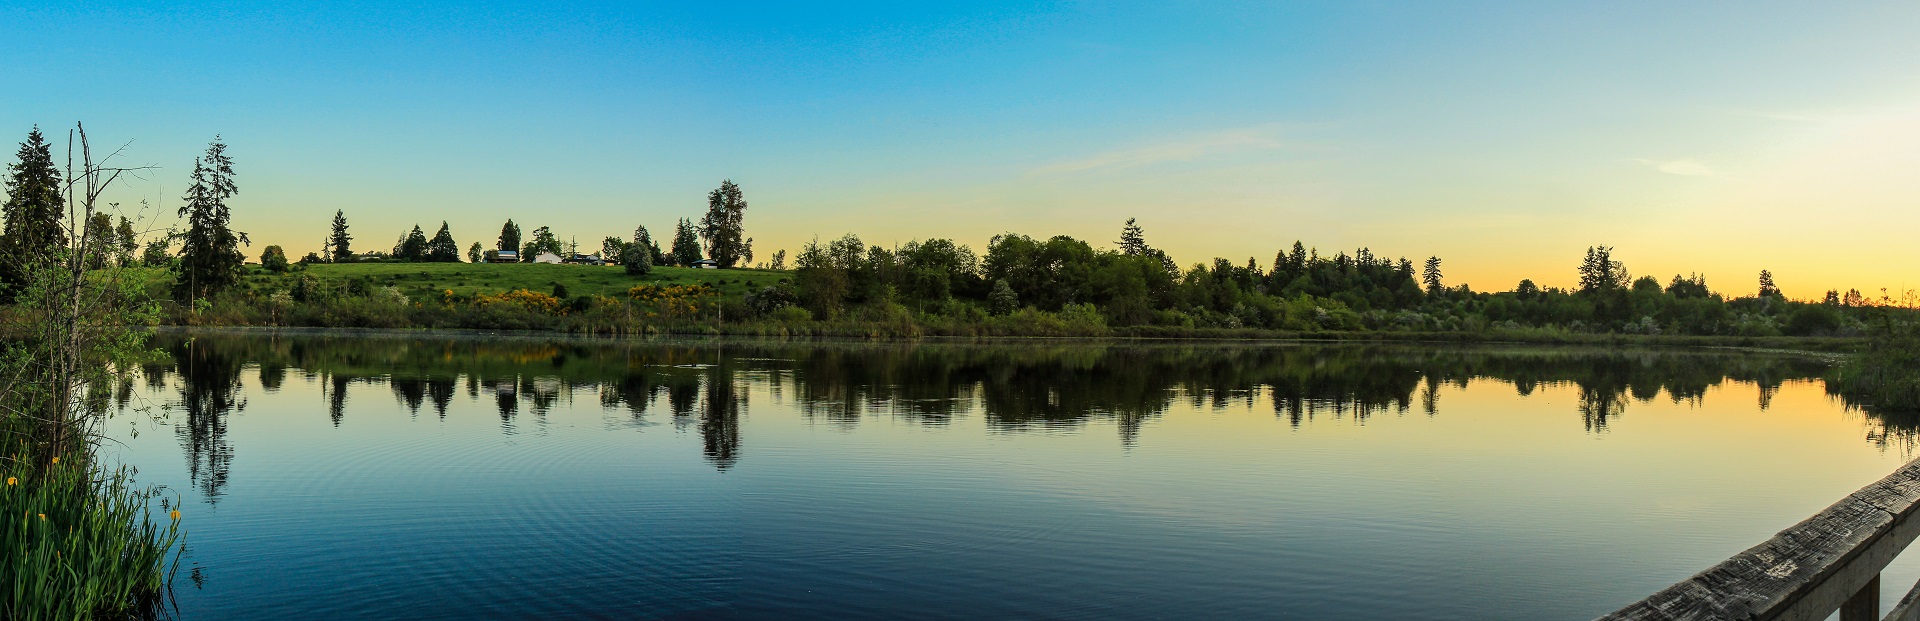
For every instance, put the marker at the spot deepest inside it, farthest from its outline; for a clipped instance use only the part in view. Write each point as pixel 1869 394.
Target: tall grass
pixel 81 543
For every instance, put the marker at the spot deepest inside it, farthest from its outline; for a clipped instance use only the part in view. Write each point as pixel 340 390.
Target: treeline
pixel 1300 290
pixel 718 236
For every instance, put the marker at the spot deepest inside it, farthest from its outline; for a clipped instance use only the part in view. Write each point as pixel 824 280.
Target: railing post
pixel 1865 604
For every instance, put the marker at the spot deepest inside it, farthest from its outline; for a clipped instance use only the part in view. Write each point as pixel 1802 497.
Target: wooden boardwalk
pixel 1829 562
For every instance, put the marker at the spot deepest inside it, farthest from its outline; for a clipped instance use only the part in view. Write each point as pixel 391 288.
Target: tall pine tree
pixel 32 212
pixel 412 247
pixel 210 256
pixel 442 248
pixel 340 244
pixel 686 245
pixel 509 237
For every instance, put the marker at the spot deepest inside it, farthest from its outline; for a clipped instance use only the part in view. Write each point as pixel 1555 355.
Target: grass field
pixel 430 280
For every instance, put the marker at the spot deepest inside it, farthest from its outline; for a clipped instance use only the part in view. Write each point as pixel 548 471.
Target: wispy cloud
pixel 1689 168
pixel 1180 149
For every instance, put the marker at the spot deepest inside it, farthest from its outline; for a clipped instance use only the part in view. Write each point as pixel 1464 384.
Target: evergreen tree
pixel 509 237
pixel 210 256
pixel 724 225
pixel 412 247
pixel 32 212
pixel 1431 277
pixel 645 240
pixel 340 244
pixel 686 245
pixel 1599 272
pixel 1133 241
pixel 1767 289
pixel 442 248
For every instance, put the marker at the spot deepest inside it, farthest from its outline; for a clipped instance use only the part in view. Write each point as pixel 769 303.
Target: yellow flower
pixel 12 480
pixel 43 516
pixel 56 460
pixel 176 515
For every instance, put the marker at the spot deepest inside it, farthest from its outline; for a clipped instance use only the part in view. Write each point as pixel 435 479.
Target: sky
pixel 1504 137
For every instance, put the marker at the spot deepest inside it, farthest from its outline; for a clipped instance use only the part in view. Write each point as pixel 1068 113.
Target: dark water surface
pixel 513 478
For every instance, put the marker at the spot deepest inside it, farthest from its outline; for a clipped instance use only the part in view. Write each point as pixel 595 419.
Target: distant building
pixel 505 256
pixel 585 259
pixel 546 257
pixel 708 264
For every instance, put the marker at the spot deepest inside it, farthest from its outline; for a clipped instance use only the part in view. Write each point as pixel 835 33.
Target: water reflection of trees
pixel 703 387
pixel 210 391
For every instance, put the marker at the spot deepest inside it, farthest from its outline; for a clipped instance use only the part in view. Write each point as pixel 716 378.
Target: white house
pixel 546 257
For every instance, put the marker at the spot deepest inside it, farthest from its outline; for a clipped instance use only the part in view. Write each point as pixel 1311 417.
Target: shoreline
pixel 1825 346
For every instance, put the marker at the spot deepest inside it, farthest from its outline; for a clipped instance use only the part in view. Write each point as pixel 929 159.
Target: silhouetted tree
pixel 442 248
pixel 32 211
pixel 1133 241
pixel 686 243
pixel 1431 277
pixel 340 243
pixel 412 246
pixel 1767 288
pixel 543 241
pixel 210 256
pixel 724 226
pixel 509 237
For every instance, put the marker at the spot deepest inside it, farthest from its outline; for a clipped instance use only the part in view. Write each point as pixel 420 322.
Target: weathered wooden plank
pixel 1806 571
pixel 1909 607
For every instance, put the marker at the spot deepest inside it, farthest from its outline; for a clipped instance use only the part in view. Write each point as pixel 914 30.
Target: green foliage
pixel 274 259
pixel 339 243
pixel 412 246
pixel 33 211
pixel 686 244
pixel 1002 300
pixel 509 236
pixel 724 226
pixel 442 248
pixel 475 253
pixel 1884 379
pixel 636 258
pixel 81 543
pixel 210 256
pixel 543 241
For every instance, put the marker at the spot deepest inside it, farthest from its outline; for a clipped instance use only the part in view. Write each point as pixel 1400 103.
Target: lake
pixel 459 477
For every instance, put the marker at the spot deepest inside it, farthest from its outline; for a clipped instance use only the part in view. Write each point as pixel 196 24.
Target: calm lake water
pixel 516 478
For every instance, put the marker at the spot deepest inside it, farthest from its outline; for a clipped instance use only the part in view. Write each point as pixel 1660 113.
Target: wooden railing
pixel 1829 562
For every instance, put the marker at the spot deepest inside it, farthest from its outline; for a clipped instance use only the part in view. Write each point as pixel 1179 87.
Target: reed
pixel 82 542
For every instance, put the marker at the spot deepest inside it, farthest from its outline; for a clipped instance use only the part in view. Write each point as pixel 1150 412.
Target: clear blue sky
pixel 1504 137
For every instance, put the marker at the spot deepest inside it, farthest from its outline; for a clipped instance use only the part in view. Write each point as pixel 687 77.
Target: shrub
pixel 274 258
pixel 790 314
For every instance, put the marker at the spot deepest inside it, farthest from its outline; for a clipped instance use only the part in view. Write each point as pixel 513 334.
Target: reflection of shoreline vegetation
pixel 703 384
